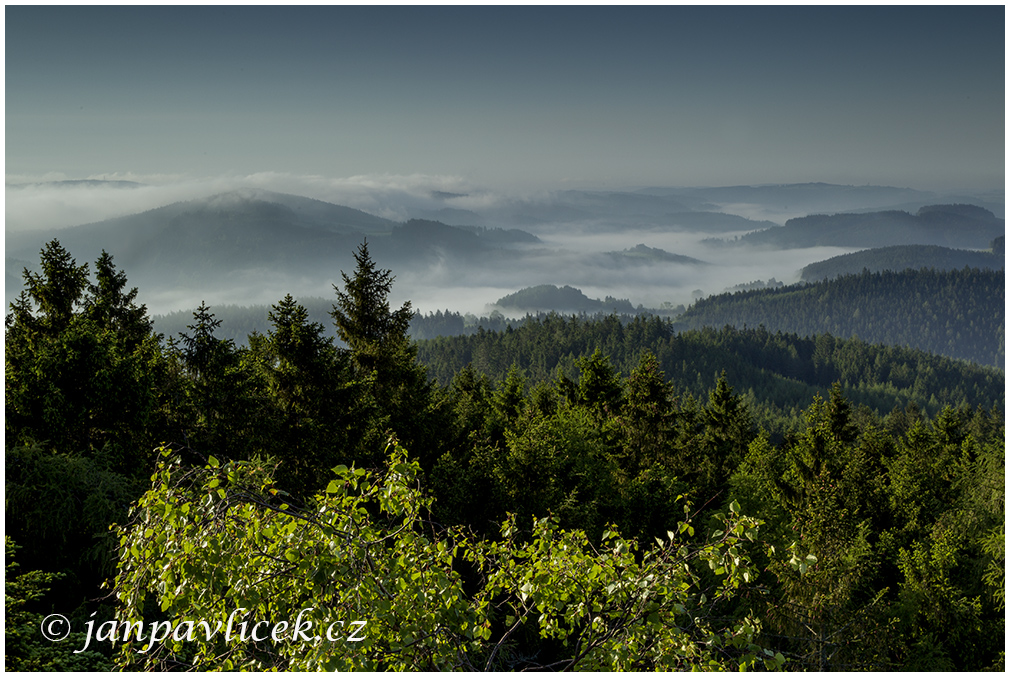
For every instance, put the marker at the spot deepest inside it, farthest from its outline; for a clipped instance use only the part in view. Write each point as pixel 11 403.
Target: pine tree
pixel 385 361
pixel 363 319
pixel 59 289
pixel 221 407
pixel 313 402
pixel 72 381
pixel 109 306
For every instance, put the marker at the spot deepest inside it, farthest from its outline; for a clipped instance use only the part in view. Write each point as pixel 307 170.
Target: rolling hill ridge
pixel 961 226
pixel 959 313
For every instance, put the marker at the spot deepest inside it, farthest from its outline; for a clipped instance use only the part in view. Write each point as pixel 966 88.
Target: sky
pixel 512 97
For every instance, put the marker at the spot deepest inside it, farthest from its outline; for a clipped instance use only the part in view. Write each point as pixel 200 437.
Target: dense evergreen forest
pixel 570 494
pixel 903 257
pixel 777 374
pixel 957 313
pixel 240 322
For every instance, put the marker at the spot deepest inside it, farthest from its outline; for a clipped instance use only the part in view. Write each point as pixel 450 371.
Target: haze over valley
pixel 459 250
pixel 658 155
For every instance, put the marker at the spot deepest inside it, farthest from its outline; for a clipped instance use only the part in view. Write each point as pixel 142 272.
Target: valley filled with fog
pixel 451 246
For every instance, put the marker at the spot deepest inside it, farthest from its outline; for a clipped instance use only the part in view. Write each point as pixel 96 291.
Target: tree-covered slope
pixel 901 257
pixel 944 225
pixel 546 297
pixel 779 372
pixel 958 313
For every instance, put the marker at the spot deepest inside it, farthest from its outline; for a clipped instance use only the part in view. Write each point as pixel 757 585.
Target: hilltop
pixel 964 226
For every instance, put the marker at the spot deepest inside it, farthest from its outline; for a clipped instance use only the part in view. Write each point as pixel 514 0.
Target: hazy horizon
pixel 514 99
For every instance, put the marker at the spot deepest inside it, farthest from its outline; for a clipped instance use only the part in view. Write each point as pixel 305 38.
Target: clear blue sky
pixel 524 96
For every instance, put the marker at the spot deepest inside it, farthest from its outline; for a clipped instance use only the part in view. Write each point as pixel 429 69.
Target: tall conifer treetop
pixel 364 321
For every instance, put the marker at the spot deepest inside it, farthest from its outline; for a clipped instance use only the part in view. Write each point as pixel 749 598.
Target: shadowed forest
pixel 572 493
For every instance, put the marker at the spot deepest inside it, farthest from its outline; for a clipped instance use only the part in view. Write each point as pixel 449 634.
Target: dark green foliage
pixel 112 307
pixel 950 552
pixel 957 313
pixel 82 363
pixel 56 291
pixel 878 471
pixel 896 585
pixel 599 387
pixel 25 650
pixel 777 374
pixel 218 404
pixel 649 417
pixel 362 314
pixel 58 507
pixel 314 410
pixel 384 360
pixel 85 381
pixel 725 431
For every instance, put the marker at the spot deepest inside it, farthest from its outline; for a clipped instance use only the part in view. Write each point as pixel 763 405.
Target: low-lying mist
pixel 577 260
pixel 586 240
pixel 456 285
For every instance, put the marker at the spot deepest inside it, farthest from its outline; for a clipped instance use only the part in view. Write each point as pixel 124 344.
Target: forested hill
pixel 779 373
pixel 945 225
pixel 563 299
pixel 902 257
pixel 957 313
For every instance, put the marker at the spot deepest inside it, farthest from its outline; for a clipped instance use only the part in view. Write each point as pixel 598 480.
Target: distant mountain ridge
pixel 221 238
pixel 962 226
pixel 902 257
pixel 250 246
pixel 227 216
pixel 600 210
pixel 79 183
pixel 808 195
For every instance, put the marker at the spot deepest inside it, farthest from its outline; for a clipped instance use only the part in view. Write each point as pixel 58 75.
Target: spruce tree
pixel 363 319
pixel 385 361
